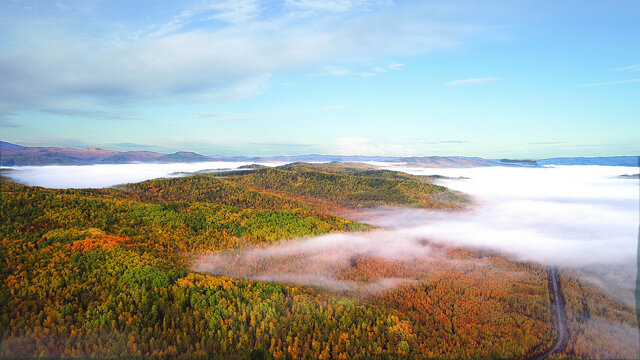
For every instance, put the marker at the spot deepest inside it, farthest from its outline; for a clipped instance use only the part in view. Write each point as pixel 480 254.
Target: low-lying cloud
pixel 339 261
pixel 106 175
pixel 578 217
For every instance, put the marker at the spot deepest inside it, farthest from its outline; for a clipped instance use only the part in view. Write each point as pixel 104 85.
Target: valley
pixel 125 271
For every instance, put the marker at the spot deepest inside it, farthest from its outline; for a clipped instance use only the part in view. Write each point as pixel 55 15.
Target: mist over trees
pixel 110 272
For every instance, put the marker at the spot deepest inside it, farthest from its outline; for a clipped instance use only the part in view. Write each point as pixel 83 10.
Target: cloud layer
pixel 99 176
pixel 575 217
pixel 210 50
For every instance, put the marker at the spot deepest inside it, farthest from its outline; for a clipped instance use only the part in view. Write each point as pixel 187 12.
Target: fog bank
pixel 106 175
pixel 578 217
pixel 565 215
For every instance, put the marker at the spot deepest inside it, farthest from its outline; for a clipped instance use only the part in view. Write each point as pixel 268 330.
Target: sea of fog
pixel 106 175
pixel 564 215
pixel 583 218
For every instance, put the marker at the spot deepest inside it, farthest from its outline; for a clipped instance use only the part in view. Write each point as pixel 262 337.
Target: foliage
pixel 350 186
pixel 599 325
pixel 105 273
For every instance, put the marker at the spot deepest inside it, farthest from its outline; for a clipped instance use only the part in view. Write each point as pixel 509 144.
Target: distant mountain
pixel 305 158
pixel 607 161
pixel 448 161
pixel 427 161
pixel 16 155
pixel 8 146
pixel 184 156
pixel 525 162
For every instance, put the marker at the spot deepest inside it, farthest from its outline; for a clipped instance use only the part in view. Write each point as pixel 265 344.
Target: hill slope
pixel 106 273
pixel 351 186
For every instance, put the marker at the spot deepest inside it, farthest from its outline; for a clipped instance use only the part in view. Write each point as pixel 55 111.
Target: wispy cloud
pixel 367 74
pixel 334 71
pixel 282 144
pixel 229 11
pixel 335 5
pixel 448 142
pixel 57 141
pixel 235 11
pixel 131 146
pixel 548 143
pixel 222 116
pixel 471 81
pixel 363 146
pixel 608 83
pixel 94 114
pixel 213 51
pixel 5 122
pixel 635 67
pixel 381 70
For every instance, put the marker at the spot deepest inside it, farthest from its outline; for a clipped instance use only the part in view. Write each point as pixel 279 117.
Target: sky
pixel 518 79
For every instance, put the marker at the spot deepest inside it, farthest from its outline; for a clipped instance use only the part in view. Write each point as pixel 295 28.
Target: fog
pixel 323 261
pixel 581 218
pixel 106 175
pixel 566 215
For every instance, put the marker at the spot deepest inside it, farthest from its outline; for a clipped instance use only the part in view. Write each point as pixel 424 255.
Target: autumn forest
pixel 111 273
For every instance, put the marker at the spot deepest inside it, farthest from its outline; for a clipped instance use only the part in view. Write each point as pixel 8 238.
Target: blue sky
pixel 476 78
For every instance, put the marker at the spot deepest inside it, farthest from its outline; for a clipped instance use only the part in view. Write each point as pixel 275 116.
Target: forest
pixel 108 273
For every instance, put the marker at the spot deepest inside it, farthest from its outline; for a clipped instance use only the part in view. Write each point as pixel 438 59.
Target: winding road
pixel 562 336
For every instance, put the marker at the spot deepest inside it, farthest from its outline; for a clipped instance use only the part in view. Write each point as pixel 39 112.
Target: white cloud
pixel 559 215
pixel 364 146
pixel 222 117
pixel 471 81
pixel 105 175
pixel 367 74
pixel 635 67
pixel 608 83
pixel 235 11
pixel 335 5
pixel 395 66
pixel 185 57
pixel 334 71
pixel 6 123
pixel 229 11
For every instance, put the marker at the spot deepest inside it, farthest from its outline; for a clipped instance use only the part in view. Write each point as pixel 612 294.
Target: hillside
pixel 102 273
pixel 109 273
pixel 351 186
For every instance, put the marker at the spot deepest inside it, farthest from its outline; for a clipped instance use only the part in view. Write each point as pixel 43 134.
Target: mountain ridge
pixel 18 155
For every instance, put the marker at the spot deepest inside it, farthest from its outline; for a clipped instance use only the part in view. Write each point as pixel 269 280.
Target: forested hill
pixel 105 273
pixel 349 185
